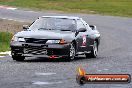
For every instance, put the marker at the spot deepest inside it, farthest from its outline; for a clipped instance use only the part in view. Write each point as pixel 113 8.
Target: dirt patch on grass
pixel 11 26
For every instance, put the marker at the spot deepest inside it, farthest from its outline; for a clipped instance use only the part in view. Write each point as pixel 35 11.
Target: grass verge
pixel 5 38
pixel 107 7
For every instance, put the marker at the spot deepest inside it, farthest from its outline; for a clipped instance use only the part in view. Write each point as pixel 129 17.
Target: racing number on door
pixel 84 41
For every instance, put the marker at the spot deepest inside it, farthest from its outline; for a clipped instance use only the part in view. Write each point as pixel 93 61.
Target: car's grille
pixel 35 50
pixel 33 40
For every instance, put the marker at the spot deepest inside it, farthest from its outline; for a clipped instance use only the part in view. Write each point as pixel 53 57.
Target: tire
pixel 18 58
pixel 81 80
pixel 72 52
pixel 94 51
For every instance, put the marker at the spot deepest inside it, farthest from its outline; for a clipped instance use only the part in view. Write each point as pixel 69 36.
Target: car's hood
pixel 47 34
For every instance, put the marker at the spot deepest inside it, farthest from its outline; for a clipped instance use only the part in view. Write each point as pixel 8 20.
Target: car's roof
pixel 63 17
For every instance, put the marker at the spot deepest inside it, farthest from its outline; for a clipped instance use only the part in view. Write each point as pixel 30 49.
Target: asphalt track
pixel 115 56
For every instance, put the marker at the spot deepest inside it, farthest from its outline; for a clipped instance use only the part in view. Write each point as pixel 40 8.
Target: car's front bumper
pixel 40 50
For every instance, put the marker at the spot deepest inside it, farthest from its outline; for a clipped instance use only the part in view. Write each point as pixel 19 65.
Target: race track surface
pixel 115 56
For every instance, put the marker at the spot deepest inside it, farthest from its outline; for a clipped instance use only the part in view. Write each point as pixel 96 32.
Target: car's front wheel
pixel 94 51
pixel 72 52
pixel 18 58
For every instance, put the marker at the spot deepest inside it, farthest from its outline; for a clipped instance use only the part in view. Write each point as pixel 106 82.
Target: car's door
pixel 82 37
pixel 90 36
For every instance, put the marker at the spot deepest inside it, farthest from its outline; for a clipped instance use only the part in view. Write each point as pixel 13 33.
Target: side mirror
pixel 82 30
pixel 25 27
pixel 93 27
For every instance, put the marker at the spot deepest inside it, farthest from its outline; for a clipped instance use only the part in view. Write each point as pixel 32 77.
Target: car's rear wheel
pixel 72 52
pixel 94 51
pixel 18 58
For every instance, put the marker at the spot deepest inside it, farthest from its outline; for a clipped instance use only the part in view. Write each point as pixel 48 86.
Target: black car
pixel 56 37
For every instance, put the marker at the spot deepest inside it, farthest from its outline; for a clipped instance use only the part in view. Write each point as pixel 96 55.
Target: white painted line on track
pixel 3 18
pixel 106 69
pixel 7 52
pixel 12 8
pixel 31 11
pixel 12 19
pixel 45 73
pixel 2 56
pixel 7 7
pixel 46 83
pixel 103 70
pixel 99 70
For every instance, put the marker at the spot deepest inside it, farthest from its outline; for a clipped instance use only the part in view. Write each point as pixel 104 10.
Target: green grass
pixel 5 38
pixel 107 7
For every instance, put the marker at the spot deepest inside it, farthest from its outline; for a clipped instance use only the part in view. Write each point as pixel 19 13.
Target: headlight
pixel 62 41
pixel 20 39
pixel 14 38
pixel 53 41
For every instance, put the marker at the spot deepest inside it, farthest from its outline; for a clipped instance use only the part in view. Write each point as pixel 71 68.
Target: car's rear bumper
pixel 39 50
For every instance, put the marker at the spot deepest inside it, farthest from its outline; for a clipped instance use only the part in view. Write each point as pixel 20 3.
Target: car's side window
pixel 87 26
pixel 80 24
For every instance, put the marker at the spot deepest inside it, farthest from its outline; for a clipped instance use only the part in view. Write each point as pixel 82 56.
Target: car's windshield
pixel 54 24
